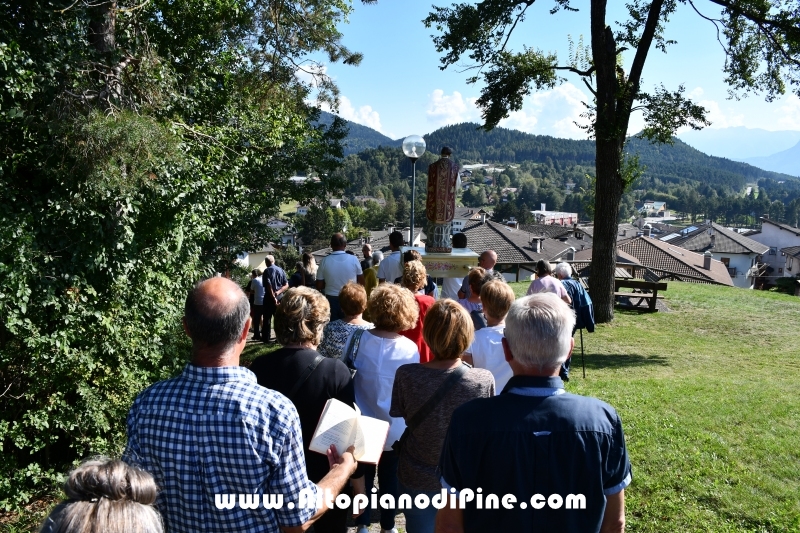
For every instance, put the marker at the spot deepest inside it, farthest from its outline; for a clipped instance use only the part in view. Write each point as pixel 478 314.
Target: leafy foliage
pixel 144 146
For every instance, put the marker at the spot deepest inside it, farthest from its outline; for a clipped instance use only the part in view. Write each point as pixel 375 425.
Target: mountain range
pixel 787 161
pixel 740 143
pixel 667 163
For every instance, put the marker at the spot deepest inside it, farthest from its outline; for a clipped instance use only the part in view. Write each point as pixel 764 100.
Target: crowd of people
pixel 469 387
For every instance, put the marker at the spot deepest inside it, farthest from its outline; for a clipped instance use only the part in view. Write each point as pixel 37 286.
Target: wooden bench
pixel 642 291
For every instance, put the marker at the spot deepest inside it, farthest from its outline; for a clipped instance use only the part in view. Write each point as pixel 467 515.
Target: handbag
pixel 352 351
pixel 423 412
pixel 305 375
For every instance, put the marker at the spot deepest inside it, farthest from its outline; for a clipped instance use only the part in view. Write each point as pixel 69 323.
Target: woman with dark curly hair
pixel 299 321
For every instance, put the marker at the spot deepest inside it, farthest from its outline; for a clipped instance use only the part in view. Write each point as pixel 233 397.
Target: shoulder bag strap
pixel 352 348
pixel 423 412
pixel 305 375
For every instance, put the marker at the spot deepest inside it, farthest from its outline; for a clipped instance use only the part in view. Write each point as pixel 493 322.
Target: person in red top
pixel 415 278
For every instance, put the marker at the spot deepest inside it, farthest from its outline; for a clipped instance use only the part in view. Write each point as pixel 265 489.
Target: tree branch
pixel 644 45
pixel 579 72
pixel 713 21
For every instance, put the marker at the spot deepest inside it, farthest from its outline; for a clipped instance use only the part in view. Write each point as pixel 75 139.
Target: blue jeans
pixel 419 520
pixel 387 481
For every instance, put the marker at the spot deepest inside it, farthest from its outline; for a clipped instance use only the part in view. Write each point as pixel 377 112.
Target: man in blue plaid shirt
pixel 213 433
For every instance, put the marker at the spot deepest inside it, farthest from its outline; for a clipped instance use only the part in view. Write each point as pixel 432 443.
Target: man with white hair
pixel 561 457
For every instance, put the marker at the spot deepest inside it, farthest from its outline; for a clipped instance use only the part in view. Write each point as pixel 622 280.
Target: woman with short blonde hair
pixel 106 496
pixel 299 322
pixel 448 331
pixel 301 317
pixel 392 308
pixel 376 354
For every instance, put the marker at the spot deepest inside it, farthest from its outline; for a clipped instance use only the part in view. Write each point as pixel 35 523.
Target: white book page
pixel 336 426
pixel 373 433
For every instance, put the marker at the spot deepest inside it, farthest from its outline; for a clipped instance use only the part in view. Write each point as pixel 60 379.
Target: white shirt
pixel 257 286
pixel 337 270
pixel 377 362
pixel 450 287
pixel 487 352
pixel 391 268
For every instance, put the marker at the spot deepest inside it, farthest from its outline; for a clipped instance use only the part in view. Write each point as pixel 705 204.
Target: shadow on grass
pixel 601 361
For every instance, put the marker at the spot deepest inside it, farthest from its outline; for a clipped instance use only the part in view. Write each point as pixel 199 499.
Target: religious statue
pixel 440 208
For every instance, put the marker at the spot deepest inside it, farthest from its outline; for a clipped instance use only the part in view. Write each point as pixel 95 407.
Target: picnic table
pixel 641 291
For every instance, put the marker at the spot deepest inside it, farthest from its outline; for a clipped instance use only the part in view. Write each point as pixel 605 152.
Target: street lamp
pixel 413 147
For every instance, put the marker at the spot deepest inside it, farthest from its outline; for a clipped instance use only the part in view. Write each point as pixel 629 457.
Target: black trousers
pixel 258 312
pixel 269 311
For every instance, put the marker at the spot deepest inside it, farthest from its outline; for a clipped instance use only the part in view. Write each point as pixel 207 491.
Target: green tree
pixel 145 145
pixel 761 42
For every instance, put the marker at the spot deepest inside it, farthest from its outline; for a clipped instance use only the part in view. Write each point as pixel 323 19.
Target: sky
pixel 399 89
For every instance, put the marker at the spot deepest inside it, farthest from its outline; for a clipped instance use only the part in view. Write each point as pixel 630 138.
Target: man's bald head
pixel 215 313
pixel 488 259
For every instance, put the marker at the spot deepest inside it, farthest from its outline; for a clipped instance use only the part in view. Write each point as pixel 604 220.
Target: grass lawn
pixel 708 397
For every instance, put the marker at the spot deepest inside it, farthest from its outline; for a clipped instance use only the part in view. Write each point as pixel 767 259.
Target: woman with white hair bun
pixel 106 496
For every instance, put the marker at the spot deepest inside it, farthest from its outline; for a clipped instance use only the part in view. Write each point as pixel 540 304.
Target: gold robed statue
pixel 441 204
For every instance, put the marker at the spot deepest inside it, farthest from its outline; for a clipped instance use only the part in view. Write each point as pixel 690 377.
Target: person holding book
pixel 486 350
pixel 414 279
pixel 376 354
pixel 214 430
pixel 309 380
pixel 353 300
pixel 426 395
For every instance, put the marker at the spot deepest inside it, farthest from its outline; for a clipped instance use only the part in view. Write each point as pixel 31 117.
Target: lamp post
pixel 413 147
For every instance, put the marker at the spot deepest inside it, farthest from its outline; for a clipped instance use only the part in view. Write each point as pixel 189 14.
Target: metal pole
pixel 413 201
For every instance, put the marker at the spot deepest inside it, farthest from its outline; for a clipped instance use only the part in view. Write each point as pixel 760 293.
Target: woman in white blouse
pixel 381 351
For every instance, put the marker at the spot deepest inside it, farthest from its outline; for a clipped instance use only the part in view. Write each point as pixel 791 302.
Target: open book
pixel 343 426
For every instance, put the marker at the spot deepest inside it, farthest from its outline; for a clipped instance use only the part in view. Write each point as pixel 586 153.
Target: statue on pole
pixel 440 207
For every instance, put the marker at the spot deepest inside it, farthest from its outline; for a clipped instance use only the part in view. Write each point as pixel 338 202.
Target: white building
pixel 737 252
pixel 776 236
pixel 555 217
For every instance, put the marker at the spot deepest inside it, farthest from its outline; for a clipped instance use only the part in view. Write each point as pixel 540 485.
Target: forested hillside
pixel 360 137
pixel 526 171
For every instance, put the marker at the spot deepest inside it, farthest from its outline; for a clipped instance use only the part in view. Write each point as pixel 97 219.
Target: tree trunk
pixel 608 192
pixel 103 25
pixel 609 186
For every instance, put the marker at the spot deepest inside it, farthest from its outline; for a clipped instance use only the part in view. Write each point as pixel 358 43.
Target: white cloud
pixel 720 118
pixel 551 112
pixel 364 115
pixel 790 113
pixel 446 109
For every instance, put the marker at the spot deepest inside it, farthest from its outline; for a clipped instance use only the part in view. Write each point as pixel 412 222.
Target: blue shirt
pixel 535 438
pixel 216 431
pixel 275 277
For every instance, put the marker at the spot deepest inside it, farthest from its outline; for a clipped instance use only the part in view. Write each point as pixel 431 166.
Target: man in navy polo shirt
pixel 560 458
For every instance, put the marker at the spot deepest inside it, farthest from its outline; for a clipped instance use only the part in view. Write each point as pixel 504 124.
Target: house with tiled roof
pixel 737 252
pixel 673 262
pixel 624 231
pixel 517 250
pixel 465 215
pixel 792 263
pixel 379 240
pixel 776 236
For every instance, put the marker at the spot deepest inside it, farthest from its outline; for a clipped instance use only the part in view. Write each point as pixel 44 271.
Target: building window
pixel 773 250
pixel 726 261
pixel 780 270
